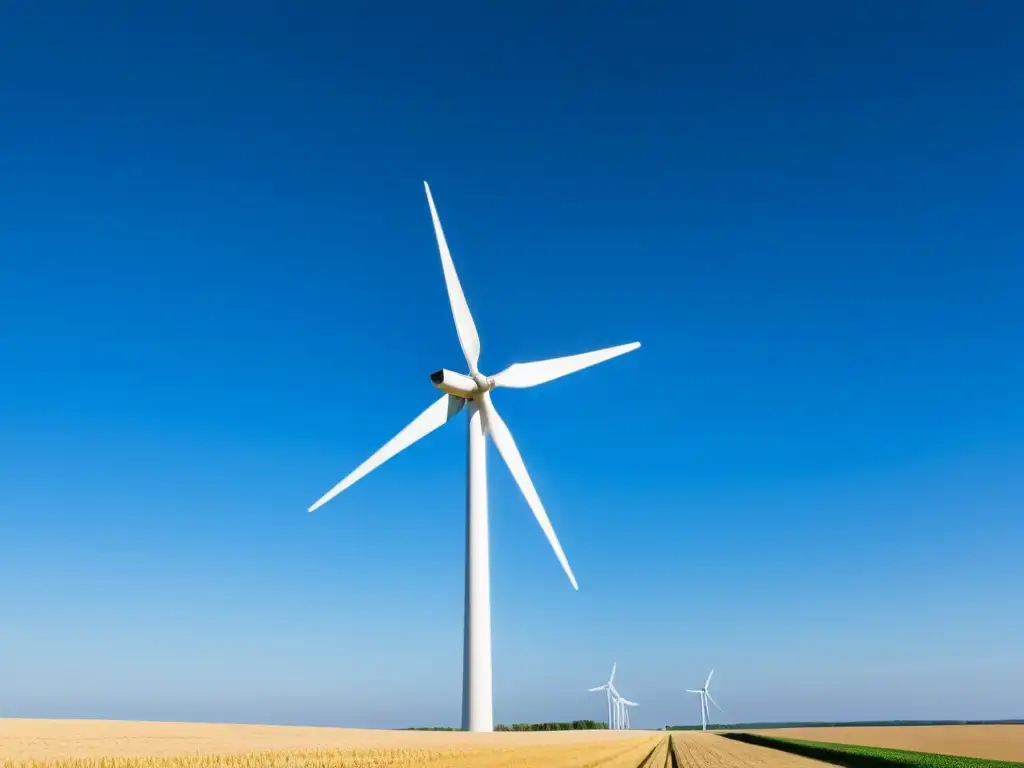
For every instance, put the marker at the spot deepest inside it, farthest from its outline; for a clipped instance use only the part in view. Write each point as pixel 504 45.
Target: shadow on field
pixel 824 754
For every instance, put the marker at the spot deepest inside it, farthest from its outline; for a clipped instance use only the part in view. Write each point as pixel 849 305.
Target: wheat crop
pixel 625 753
pixel 694 749
pixel 660 756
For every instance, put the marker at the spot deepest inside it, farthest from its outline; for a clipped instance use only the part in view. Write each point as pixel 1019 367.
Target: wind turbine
pixel 622 703
pixel 622 714
pixel 483 419
pixel 617 714
pixel 625 712
pixel 607 688
pixel 705 695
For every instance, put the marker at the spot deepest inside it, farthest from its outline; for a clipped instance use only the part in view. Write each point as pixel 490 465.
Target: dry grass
pixel 694 749
pixel 118 744
pixel 995 742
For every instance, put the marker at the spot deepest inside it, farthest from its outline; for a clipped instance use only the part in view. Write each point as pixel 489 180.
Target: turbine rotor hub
pixel 483 383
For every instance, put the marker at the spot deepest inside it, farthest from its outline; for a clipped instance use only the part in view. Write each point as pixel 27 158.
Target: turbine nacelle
pixel 461 385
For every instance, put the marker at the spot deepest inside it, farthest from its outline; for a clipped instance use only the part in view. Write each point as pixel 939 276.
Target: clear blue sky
pixel 220 292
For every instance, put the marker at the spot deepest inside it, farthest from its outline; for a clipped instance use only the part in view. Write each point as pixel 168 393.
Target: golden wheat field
pixel 995 742
pixel 116 744
pixel 694 749
pixel 121 744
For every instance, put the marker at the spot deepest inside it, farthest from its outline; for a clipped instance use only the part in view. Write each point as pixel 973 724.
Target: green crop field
pixel 867 757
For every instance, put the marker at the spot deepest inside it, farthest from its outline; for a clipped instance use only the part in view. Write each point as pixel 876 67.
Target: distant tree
pixel 575 725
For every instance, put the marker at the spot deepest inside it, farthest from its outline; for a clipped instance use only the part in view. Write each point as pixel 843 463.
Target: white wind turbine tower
pixel 607 688
pixel 483 419
pixel 624 712
pixel 705 695
pixel 618 716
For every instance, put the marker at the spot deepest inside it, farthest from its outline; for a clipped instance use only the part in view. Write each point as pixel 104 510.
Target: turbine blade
pixel 532 374
pixel 708 681
pixel 599 688
pixel 439 413
pixel 510 453
pixel 629 703
pixel 715 702
pixel 690 690
pixel 612 675
pixel 464 325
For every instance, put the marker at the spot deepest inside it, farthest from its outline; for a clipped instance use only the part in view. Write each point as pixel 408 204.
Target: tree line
pixel 575 725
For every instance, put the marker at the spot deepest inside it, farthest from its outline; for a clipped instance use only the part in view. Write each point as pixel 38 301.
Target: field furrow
pixel 659 757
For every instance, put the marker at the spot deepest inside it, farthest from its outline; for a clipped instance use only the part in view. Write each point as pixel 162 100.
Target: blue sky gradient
pixel 220 292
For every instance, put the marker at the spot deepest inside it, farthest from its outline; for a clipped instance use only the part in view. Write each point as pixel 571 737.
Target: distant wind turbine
pixel 624 703
pixel 607 688
pixel 705 696
pixel 618 715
